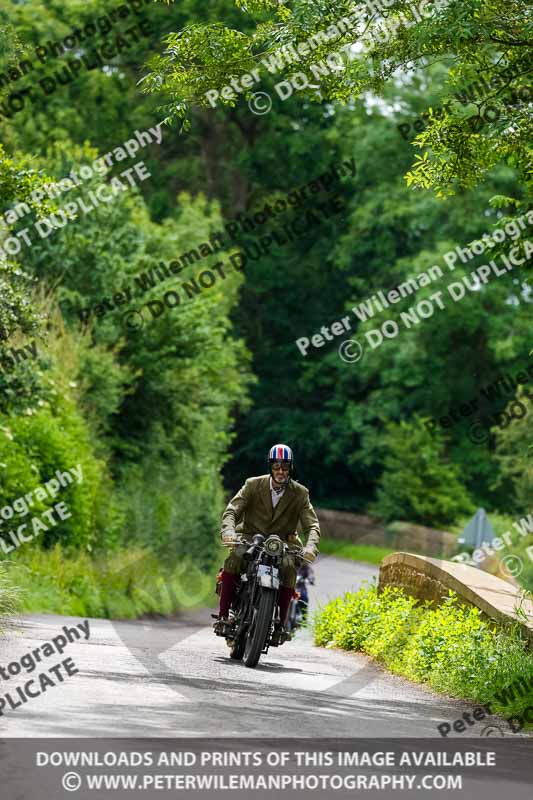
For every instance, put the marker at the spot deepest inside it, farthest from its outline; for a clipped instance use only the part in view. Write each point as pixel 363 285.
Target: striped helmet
pixel 280 452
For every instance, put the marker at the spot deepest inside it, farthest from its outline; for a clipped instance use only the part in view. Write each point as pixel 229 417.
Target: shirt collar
pixel 276 491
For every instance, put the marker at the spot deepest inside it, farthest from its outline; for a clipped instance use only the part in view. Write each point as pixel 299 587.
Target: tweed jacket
pixel 251 511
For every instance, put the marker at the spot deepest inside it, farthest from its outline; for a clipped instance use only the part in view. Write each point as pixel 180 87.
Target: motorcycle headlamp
pixel 274 546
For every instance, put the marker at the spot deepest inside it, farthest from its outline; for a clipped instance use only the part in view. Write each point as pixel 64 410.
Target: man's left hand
pixel 308 555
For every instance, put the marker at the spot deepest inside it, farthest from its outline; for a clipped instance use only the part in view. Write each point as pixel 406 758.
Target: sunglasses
pixel 284 465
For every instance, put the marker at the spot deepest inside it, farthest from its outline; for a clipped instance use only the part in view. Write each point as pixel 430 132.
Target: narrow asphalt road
pixel 174 678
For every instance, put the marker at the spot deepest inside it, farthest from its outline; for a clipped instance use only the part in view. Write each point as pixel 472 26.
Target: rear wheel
pixel 258 630
pixel 292 617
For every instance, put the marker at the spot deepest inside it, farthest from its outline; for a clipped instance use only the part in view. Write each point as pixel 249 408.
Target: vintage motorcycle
pixel 255 613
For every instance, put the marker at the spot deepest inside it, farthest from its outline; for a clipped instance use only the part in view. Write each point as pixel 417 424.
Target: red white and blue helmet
pixel 280 452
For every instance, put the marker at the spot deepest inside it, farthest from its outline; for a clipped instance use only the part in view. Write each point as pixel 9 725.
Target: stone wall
pixel 413 580
pixel 431 579
pixel 360 529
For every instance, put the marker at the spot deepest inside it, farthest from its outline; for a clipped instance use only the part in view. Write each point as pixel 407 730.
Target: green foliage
pixel 135 412
pixel 10 596
pixel 17 181
pixel 154 411
pixel 451 647
pixel 488 38
pixel 32 448
pixel 386 235
pixel 191 64
pixel 418 483
pixel 514 443
pixel 128 584
pixel 173 508
pixel 351 621
pixel 368 554
pixel 44 429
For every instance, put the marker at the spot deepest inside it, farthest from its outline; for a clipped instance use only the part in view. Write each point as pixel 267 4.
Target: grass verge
pixel 9 597
pixel 368 554
pixel 124 585
pixel 450 647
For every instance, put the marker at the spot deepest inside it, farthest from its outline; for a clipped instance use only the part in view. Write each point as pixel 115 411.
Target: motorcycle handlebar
pixel 293 550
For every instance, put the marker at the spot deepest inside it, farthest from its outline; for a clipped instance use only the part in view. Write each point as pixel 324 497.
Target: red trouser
pixel 229 585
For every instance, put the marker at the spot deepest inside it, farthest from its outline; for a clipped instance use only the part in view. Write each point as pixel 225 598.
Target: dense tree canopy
pixel 483 117
pixel 416 144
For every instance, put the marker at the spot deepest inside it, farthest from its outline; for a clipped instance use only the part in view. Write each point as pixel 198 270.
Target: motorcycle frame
pixel 258 557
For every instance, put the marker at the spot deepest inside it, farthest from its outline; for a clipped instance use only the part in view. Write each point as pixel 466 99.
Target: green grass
pixel 124 585
pixel 9 596
pixel 450 647
pixel 367 553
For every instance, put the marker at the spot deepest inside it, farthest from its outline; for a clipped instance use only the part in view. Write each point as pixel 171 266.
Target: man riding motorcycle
pixel 273 503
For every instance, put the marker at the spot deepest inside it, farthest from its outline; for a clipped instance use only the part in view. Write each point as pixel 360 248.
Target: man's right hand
pixel 229 537
pixel 308 555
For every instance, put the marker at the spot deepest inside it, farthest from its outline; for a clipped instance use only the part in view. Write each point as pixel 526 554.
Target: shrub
pixel 32 448
pixel 450 646
pixel 44 428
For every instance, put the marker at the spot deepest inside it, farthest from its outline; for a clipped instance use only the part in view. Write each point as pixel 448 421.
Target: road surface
pixel 174 678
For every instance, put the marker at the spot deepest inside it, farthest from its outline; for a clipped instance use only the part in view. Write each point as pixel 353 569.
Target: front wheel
pixel 258 630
